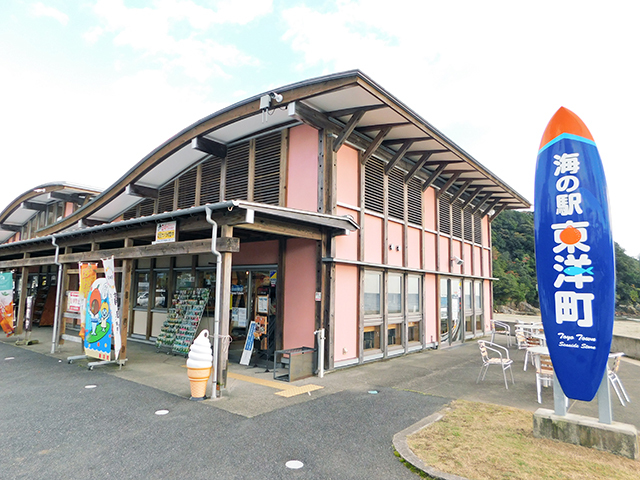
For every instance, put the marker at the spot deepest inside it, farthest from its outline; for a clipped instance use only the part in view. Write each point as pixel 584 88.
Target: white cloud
pixel 491 74
pixel 41 10
pixel 157 32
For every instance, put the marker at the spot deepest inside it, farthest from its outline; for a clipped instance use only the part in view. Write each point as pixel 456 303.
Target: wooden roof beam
pixel 396 141
pixel 348 129
pixel 398 155
pixel 434 175
pixel 350 111
pixel 490 207
pixel 419 164
pixel 449 183
pixel 211 147
pixel 461 190
pixel 479 205
pixel 473 196
pixel 498 211
pixel 140 191
pixel 40 207
pixel 10 228
pixel 375 128
pixel 373 146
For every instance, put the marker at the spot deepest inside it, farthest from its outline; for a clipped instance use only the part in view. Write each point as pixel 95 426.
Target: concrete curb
pixel 401 446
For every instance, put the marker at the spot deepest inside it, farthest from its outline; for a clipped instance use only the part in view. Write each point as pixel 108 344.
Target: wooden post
pixel 125 311
pixel 23 298
pixel 225 305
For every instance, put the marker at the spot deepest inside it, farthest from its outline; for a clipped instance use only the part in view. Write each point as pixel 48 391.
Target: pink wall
pixel 456 250
pixel 431 308
pixel 477 261
pixel 347 245
pixel 486 257
pixel 444 255
pixel 486 293
pixel 372 239
pixel 485 231
pixel 348 182
pixel 299 298
pixel 68 209
pixel 395 239
pixel 468 264
pixel 430 251
pixel 257 253
pixel 346 316
pixel 414 248
pixel 302 175
pixel 429 202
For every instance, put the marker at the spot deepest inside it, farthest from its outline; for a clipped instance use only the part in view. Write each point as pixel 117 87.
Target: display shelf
pixel 183 319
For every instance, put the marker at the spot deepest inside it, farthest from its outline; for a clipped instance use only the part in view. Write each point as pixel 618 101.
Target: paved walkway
pixel 444 374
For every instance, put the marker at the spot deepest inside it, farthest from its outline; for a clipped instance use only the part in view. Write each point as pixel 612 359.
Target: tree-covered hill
pixel 514 264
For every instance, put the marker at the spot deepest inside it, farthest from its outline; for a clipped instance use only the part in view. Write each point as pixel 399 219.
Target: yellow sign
pixel 166 232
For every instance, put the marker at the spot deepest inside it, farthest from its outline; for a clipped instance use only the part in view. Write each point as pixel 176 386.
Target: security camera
pixel 276 96
pixel 458 260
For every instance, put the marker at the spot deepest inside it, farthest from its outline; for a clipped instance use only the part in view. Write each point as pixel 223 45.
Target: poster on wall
pixel 87 276
pixel 6 303
pixel 110 277
pixel 98 321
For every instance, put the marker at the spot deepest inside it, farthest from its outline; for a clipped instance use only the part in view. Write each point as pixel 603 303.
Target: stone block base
pixel 618 438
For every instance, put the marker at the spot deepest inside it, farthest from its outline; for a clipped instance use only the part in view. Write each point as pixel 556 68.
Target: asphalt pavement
pixel 52 426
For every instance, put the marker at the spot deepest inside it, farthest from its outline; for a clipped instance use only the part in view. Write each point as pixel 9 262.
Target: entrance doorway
pixel 253 299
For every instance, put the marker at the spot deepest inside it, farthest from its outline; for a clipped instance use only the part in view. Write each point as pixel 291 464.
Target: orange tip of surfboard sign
pixel 564 123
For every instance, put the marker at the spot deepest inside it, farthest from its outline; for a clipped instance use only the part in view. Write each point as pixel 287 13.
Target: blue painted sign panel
pixel 574 255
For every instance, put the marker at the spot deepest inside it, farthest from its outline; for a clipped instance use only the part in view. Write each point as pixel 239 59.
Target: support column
pixel 23 298
pixel 225 306
pixel 125 311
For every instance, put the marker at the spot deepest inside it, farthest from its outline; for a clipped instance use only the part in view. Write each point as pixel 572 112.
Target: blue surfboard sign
pixel 575 258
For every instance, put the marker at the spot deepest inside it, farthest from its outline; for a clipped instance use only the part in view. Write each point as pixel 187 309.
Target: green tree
pixel 627 277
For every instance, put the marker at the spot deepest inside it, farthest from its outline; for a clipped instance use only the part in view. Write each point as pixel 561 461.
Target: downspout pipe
pixel 56 320
pixel 216 323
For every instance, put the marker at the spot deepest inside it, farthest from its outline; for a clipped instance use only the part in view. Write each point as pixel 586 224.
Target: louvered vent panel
pixel 131 213
pixel 210 182
pixel 477 228
pixel 165 198
pixel 415 201
pixel 456 213
pixel 444 219
pixel 396 194
pixel 147 206
pixel 237 172
pixel 468 225
pixel 374 185
pixel 187 189
pixel 266 187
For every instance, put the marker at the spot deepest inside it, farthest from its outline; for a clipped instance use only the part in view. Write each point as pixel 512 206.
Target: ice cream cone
pixel 198 377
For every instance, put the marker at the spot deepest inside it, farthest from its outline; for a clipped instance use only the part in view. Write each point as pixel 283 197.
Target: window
pixel 184 279
pixel 478 306
pixel 372 337
pixel 413 332
pixel 372 281
pixel 394 295
pixel 394 335
pixel 413 294
pixel 142 289
pixel 162 284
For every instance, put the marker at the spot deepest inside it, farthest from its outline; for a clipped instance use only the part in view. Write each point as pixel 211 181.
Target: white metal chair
pixel 493 354
pixel 544 372
pixel 500 328
pixel 612 373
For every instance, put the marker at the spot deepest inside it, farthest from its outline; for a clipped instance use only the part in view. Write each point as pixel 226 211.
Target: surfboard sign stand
pixel 575 259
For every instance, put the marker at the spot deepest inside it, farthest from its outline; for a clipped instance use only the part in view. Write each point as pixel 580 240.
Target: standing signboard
pixel 574 255
pixel 98 321
pixel 110 277
pixel 6 303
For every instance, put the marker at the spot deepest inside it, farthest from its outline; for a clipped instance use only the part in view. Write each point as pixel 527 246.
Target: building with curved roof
pixel 338 207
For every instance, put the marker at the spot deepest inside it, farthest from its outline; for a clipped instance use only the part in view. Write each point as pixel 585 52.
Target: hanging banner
pixel 87 277
pixel 98 322
pixel 574 255
pixel 6 303
pixel 110 276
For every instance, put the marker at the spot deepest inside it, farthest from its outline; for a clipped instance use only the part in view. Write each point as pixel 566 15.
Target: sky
pixel 89 87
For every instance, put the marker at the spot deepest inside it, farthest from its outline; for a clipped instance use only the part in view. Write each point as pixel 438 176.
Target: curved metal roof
pixel 352 107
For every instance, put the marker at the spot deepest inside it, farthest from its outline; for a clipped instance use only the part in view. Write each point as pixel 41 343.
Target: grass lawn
pixel 482 441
